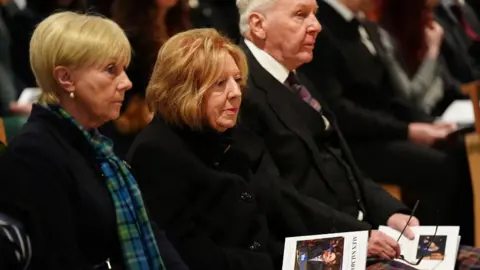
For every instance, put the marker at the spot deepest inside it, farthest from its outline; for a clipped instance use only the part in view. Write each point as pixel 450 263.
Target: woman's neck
pixel 80 115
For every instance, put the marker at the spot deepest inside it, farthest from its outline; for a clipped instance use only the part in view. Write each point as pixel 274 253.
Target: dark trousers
pixel 438 177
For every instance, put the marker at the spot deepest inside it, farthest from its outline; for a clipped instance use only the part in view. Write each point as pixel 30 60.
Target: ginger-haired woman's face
pixel 166 3
pixel 222 100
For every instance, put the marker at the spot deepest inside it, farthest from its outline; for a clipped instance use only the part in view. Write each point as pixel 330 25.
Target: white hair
pixel 246 7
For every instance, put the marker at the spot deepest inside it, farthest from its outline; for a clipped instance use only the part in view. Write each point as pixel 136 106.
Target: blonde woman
pixel 79 203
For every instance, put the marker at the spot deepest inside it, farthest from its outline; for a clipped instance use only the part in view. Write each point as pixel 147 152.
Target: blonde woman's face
pixel 99 91
pixel 222 100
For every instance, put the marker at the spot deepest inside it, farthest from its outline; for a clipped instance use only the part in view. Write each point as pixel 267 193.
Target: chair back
pixel 472 143
pixel 3 134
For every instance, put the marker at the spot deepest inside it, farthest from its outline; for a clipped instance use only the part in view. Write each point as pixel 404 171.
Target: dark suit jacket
pixel 356 84
pixel 51 183
pixel 274 113
pixel 462 55
pixel 222 210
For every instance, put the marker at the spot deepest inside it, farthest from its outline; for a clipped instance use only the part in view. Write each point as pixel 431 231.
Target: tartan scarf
pixel 139 247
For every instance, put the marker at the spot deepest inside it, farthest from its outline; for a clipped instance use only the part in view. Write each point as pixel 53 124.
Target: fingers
pixel 392 245
pixel 414 222
pixel 383 246
pixel 409 233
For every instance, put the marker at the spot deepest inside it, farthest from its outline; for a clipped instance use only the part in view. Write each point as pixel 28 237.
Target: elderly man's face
pixel 290 31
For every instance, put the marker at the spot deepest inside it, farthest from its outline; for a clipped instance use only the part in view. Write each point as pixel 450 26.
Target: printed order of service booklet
pixel 326 251
pixel 432 248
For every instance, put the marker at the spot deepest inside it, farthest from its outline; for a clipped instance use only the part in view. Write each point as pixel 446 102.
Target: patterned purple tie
pixel 302 91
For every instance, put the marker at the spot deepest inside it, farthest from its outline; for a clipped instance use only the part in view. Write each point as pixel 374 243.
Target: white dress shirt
pixel 275 68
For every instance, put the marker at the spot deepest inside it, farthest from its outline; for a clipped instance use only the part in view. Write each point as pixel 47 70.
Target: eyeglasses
pixel 425 248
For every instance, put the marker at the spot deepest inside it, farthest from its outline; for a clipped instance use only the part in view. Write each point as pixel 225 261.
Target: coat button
pixel 254 246
pixel 246 197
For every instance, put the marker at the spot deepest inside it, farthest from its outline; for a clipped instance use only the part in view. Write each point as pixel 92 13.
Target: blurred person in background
pixel 461 46
pixel 22 24
pixel 77 201
pixel 148 24
pixel 412 43
pixel 8 87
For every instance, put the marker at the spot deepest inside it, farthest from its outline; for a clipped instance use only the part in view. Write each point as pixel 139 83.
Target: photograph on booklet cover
pixel 327 251
pixel 436 250
pixel 318 254
pixel 439 252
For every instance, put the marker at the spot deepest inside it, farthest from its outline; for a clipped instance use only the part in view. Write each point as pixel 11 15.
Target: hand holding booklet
pixel 432 248
pixel 327 251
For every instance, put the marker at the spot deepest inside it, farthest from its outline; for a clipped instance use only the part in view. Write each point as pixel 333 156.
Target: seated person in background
pixel 301 134
pixel 148 25
pixel 461 47
pixel 209 184
pixel 78 202
pixel 392 140
pixel 21 25
pixel 410 45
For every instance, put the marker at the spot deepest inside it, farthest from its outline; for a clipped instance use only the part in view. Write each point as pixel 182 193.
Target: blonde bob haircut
pixel 188 64
pixel 74 40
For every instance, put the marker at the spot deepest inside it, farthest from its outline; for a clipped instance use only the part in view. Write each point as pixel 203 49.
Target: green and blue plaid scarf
pixel 139 248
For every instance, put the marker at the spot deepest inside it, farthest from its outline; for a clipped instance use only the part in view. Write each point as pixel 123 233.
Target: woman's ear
pixel 64 78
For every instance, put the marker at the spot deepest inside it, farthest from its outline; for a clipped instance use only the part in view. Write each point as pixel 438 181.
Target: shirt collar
pixel 346 13
pixel 270 64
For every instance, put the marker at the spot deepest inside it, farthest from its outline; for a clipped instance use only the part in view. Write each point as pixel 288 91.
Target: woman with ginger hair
pixel 227 208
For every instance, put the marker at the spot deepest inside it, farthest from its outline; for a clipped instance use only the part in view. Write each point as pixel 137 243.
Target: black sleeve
pixel 165 179
pixel 295 214
pixel 325 72
pixel 35 191
pixel 380 204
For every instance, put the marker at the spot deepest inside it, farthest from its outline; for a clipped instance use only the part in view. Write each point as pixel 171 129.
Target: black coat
pixel 462 54
pixel 286 124
pixel 222 209
pixel 356 84
pixel 50 182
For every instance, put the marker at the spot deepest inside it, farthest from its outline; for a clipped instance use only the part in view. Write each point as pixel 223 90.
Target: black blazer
pixel 460 52
pixel 356 84
pixel 276 115
pixel 51 183
pixel 221 209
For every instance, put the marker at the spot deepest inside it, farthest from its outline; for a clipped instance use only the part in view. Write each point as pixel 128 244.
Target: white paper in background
pixel 460 111
pixel 349 251
pixel 29 95
pixel 446 248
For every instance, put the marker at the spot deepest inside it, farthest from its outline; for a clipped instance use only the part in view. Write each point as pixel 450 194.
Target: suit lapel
pixel 283 103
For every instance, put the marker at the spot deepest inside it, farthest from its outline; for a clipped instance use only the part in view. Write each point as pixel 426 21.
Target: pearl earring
pixel 72 95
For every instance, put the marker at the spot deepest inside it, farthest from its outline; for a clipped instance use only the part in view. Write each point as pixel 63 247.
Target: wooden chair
pixel 472 142
pixel 394 190
pixel 3 134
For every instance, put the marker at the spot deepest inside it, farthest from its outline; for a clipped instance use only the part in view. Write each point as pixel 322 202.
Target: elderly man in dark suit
pixel 282 106
pixel 391 139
